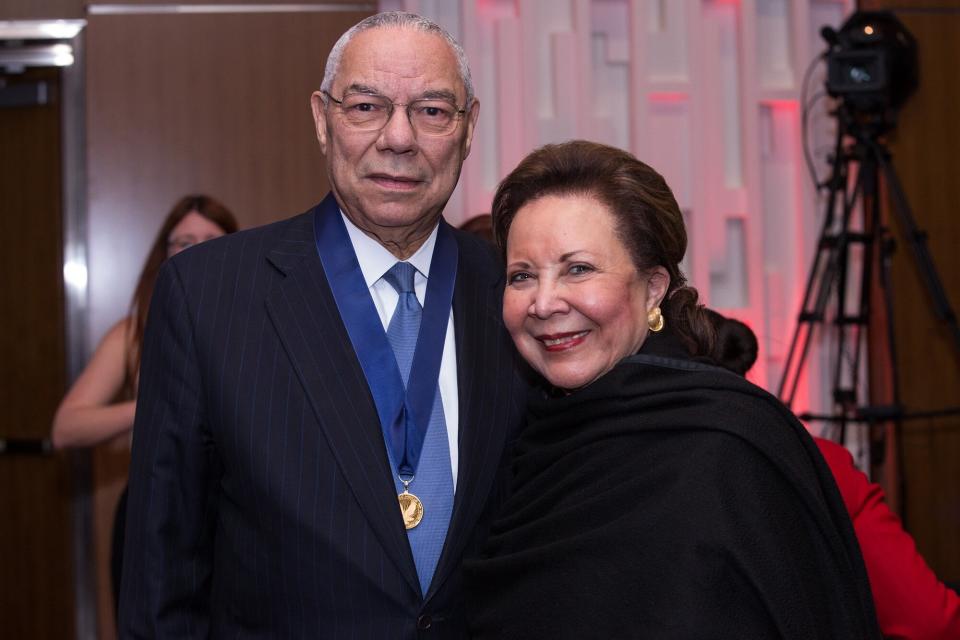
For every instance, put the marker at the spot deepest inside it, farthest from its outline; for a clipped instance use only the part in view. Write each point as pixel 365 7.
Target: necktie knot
pixel 400 277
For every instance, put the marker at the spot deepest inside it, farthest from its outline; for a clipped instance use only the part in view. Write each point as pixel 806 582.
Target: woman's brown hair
pixel 649 222
pixel 207 207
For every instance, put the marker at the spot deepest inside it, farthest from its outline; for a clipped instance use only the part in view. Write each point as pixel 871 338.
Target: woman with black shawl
pixel 654 495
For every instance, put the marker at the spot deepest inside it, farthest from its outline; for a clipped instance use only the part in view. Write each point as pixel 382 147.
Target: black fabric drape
pixel 669 499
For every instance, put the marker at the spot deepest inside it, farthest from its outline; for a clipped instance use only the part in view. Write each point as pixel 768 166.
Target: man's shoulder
pixel 288 237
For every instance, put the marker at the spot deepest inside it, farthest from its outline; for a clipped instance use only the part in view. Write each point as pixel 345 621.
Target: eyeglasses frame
pixel 458 114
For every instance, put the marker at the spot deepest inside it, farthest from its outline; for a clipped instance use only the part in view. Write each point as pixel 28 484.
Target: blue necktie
pixel 433 482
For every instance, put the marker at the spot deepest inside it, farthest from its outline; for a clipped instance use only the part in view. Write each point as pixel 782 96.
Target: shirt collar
pixel 374 258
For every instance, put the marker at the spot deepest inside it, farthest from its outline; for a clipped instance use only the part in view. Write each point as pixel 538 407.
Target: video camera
pixel 871 63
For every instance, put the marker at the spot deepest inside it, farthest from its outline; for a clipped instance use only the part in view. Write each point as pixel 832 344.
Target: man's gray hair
pixel 399 19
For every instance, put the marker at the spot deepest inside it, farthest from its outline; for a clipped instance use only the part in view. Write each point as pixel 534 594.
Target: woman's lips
pixel 562 341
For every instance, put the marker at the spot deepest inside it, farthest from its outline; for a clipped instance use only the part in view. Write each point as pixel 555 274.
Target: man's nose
pixel 398 135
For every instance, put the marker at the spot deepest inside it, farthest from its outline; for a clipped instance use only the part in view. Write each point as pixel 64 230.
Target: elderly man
pixel 326 401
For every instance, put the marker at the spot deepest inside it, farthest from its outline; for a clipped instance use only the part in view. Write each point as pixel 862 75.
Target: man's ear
pixel 471 117
pixel 658 282
pixel 319 119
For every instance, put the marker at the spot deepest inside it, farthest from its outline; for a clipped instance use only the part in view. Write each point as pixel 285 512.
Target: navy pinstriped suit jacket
pixel 262 503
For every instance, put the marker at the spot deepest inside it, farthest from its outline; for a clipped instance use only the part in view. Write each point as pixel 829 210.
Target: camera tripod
pixel 861 168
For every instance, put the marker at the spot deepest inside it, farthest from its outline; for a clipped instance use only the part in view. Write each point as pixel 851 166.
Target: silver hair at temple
pixel 399 19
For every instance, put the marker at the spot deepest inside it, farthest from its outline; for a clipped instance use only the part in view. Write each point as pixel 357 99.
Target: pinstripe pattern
pixel 261 500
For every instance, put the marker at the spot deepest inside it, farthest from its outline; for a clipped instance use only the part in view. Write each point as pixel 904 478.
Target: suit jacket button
pixel 424 622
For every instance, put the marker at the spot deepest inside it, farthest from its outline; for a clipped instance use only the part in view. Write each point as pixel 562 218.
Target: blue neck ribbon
pixel 404 413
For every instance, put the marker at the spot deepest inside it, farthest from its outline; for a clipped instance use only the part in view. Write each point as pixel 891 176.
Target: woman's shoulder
pixel 120 335
pixel 727 418
pixel 712 397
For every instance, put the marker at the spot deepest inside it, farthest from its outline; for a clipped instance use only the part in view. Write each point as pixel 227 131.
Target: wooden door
pixel 36 576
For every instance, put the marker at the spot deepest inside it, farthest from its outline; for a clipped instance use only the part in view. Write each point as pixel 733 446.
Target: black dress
pixel 669 499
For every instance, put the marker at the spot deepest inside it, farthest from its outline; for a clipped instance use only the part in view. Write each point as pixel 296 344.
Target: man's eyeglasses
pixel 370 112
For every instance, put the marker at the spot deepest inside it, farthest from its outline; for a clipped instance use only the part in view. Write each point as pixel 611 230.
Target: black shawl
pixel 669 499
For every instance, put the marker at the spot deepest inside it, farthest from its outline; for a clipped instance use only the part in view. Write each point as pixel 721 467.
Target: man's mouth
pixel 399 183
pixel 562 341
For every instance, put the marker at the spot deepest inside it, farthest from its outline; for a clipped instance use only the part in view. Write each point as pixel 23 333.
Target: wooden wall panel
pixel 63 9
pixel 924 154
pixel 349 5
pixel 214 103
pixel 36 577
pixel 40 9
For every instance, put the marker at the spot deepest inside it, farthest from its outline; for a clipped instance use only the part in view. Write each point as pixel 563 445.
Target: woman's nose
pixel 548 300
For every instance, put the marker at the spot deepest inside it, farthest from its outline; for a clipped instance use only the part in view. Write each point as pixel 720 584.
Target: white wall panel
pixel 667 37
pixel 706 91
pixel 774 44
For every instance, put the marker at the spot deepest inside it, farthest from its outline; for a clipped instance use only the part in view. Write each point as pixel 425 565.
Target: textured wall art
pixel 709 92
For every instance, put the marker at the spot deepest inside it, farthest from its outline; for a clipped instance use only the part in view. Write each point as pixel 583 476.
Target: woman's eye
pixel 520 276
pixel 580 269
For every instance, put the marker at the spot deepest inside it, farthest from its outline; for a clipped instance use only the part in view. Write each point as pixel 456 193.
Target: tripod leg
pixel 917 240
pixel 820 280
pixel 883 435
pixel 819 284
pixel 850 330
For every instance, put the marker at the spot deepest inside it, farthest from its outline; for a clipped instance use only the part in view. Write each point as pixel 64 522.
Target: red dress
pixel 911 602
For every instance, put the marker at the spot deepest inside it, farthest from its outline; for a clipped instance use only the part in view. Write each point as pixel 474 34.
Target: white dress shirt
pixel 375 261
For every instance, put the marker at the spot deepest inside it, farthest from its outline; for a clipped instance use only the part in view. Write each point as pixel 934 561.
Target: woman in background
pixel 911 602
pixel 101 403
pixel 654 495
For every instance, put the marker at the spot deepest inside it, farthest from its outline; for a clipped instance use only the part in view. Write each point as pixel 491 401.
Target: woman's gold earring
pixel 655 320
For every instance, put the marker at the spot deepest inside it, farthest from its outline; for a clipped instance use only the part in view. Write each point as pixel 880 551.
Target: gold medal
pixel 410 506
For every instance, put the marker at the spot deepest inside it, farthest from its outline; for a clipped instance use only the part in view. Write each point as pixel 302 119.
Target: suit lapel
pixel 308 322
pixel 309 325
pixel 483 370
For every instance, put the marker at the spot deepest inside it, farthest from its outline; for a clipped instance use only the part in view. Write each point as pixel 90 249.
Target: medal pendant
pixel 411 508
